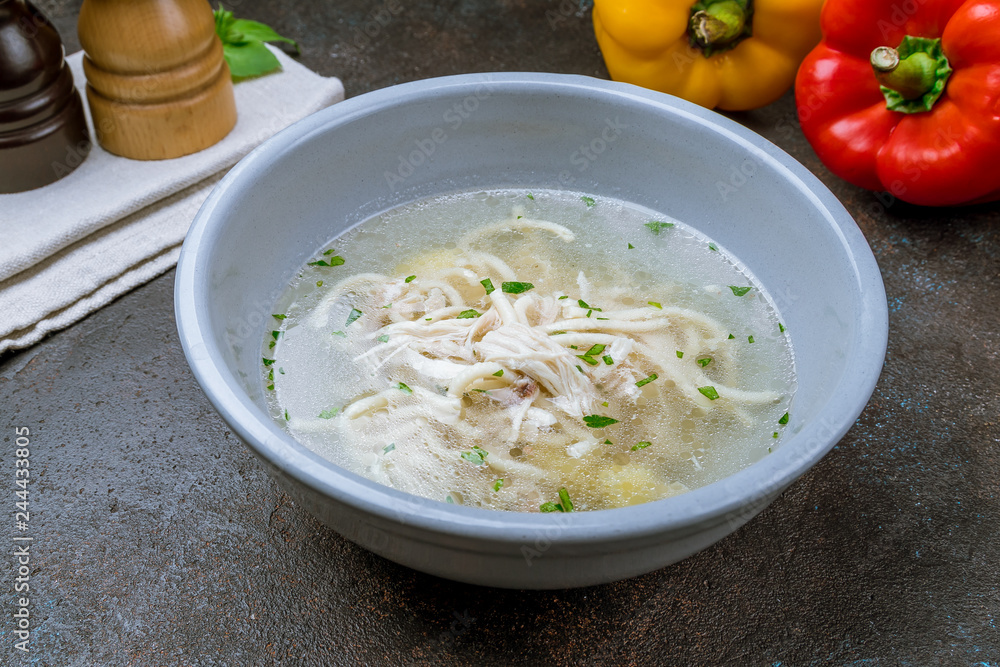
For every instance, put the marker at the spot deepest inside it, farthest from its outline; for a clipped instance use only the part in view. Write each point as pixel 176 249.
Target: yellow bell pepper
pixel 730 54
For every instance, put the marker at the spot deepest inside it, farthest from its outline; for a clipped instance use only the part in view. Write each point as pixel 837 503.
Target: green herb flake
pixel 595 350
pixel 557 333
pixel 704 361
pixel 268 362
pixel 680 355
pixel 604 404
pixel 781 327
pixel 389 448
pixel 656 226
pixel 271 345
pixel 644 382
pixel 589 360
pixel 709 392
pixel 655 304
pixel 410 279
pixel 355 314
pixel 531 196
pixel 631 247
pixel 449 500
pixel 488 284
pixel 319 283
pixel 477 456
pixel 468 314
pixel 403 388
pixel 270 387
pixel 582 303
pixel 573 347
pixel 499 373
pixel 579 369
pixel 275 334
pixel 731 336
pixel 740 291
pixel 774 435
pixel 750 339
pixel 608 360
pixel 567 504
pixel 281 370
pixel 641 445
pixel 712 246
pixel 549 507
pixel 388 305
pixel 784 419
pixel 608 442
pixel 564 296
pixel 768 450
pixel 497 485
pixel 589 201
pixel 270 375
pixel 329 252
pixel 603 318
pixel 339 333
pixel 589 313
pixel 336 260
pixel 519 217
pixel 384 338
pixel 329 414
pixel 599 421
pixel 516 288
pixel 279 317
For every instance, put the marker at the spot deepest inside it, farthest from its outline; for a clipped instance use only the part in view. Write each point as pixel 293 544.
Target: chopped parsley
pixel 497 485
pixel 355 314
pixel 499 373
pixel 339 333
pixel 286 415
pixel 336 260
pixel 410 279
pixel 516 288
pixel 519 217
pixel 270 375
pixel 709 392
pixel 531 196
pixel 573 347
pixel 784 419
pixel 740 291
pixel 680 355
pixel 384 338
pixel 589 201
pixel 704 361
pixel 655 304
pixel 388 448
pixel 656 226
pixel 774 435
pixel 488 285
pixel 403 388
pixel 605 404
pixel 564 296
pixel 275 334
pixel 608 442
pixel 644 382
pixel 319 283
pixel 731 336
pixel 631 247
pixel 268 362
pixel 469 314
pixel 328 251
pixel 781 327
pixel 641 445
pixel 477 456
pixel 599 421
pixel 750 338
pixel 608 360
pixel 550 507
pixel 329 414
pixel 712 246
pixel 279 317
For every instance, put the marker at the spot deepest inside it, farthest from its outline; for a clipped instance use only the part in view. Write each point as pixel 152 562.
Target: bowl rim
pixel 756 484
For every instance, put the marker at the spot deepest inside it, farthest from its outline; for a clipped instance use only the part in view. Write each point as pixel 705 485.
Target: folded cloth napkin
pixel 72 247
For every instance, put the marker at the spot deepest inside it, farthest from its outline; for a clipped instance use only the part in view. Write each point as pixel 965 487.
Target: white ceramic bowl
pixel 342 165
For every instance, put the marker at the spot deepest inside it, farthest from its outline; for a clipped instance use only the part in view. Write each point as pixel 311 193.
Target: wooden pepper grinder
pixel 43 133
pixel 157 82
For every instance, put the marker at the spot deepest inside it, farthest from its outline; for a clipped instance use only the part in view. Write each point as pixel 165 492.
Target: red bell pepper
pixel 904 96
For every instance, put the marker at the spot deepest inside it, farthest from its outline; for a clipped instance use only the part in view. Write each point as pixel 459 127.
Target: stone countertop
pixel 160 541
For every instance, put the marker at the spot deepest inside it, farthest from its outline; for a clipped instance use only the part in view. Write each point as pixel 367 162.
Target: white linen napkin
pixel 72 247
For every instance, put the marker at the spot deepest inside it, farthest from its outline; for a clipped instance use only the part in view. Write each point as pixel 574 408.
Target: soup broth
pixel 530 351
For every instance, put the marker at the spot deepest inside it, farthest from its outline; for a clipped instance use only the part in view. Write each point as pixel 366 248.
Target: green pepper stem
pixel 719 23
pixel 911 77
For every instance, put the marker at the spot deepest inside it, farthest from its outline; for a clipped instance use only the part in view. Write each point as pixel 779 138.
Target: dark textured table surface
pixel 160 541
